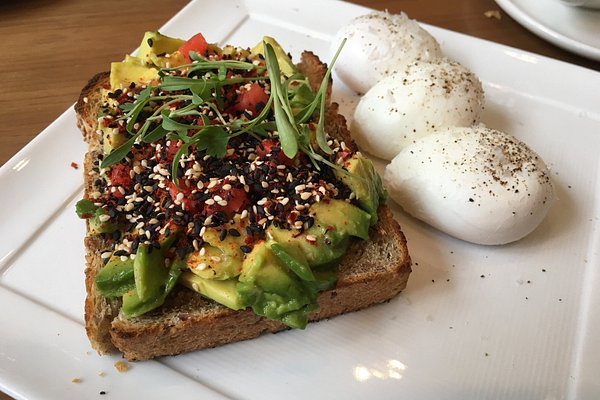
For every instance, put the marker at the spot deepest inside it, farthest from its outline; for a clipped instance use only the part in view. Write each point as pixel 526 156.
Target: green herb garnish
pixel 291 100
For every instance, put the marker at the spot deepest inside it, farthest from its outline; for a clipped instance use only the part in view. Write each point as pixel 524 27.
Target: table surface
pixel 44 66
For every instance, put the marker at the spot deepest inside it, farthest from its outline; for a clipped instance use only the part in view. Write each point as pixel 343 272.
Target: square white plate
pixel 515 321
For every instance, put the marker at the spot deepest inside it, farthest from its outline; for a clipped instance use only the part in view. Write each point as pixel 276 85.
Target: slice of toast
pixel 371 272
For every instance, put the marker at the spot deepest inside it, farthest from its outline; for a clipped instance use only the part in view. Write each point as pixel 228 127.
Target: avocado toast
pixel 221 204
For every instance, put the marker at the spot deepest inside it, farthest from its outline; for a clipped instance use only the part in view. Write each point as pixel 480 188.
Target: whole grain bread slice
pixel 371 272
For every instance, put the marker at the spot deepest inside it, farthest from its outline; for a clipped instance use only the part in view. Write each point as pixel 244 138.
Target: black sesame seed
pixel 223 235
pixel 245 249
pixel 150 42
pixel 234 232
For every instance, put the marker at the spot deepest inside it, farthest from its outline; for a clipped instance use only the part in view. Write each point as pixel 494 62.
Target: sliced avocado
pixel 111 139
pixel 149 271
pixel 366 184
pixel 96 225
pixel 116 277
pixel 329 244
pixel 155 44
pixel 272 290
pixel 133 306
pixel 221 291
pixel 221 259
pixel 285 63
pixel 344 217
pixel 123 73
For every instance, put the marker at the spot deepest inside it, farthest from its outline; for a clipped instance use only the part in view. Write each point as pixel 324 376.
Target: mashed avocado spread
pixel 217 174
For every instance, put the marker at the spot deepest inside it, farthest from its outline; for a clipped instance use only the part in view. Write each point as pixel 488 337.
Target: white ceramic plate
pixel 517 321
pixel 576 29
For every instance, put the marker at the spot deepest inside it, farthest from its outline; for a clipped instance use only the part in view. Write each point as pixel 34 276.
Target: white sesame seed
pixel 201 266
pixel 212 184
pixel 242 180
pixel 215 259
pixel 106 254
pixel 217 198
pixel 226 186
pixel 281 166
pixel 311 238
pixel 244 214
pixel 285 200
pixel 305 195
pixel 300 188
pixel 222 203
pixel 179 196
pixel 262 201
pixel 195 287
pixel 262 221
pixel 124 258
pixel 104 217
pixel 202 251
pixel 209 202
pixel 264 184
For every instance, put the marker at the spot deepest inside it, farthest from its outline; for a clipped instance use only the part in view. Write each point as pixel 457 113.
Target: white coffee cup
pixel 583 3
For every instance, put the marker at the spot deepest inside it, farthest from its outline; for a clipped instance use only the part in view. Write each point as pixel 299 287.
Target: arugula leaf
pixel 85 208
pixel 214 140
pixel 126 107
pixel 286 126
pixel 322 94
pixel 157 133
pixel 119 153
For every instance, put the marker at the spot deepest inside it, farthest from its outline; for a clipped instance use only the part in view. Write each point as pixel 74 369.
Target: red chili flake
pixel 74 165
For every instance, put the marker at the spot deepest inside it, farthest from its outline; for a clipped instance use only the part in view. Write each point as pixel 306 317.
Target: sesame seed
pixel 311 238
pixel 202 251
pixel 106 254
pixel 305 195
pixel 226 186
pixel 264 184
pixel 215 259
pixel 285 200
pixel 217 198
pixel 201 266
pixel 244 214
pixel 261 202
pixel 209 202
pixel 300 188
pixel 222 203
pixel 104 217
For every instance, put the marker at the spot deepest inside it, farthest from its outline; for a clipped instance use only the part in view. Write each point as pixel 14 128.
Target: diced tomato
pixel 196 43
pixel 119 175
pixel 172 149
pixel 252 99
pixel 266 147
pixel 188 204
pixel 235 197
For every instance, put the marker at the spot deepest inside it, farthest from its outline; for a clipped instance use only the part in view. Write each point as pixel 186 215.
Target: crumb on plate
pixel 121 366
pixel 493 14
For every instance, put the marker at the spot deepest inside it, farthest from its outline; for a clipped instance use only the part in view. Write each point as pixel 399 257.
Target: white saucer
pixel 575 29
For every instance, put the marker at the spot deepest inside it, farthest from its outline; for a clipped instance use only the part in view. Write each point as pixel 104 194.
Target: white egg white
pixel 477 184
pixel 423 98
pixel 379 44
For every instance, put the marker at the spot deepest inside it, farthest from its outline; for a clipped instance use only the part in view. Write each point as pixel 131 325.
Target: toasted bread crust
pixel 372 271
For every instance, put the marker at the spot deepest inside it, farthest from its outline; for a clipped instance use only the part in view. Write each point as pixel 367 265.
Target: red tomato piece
pixel 235 197
pixel 187 202
pixel 196 43
pixel 252 99
pixel 119 175
pixel 172 149
pixel 266 147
